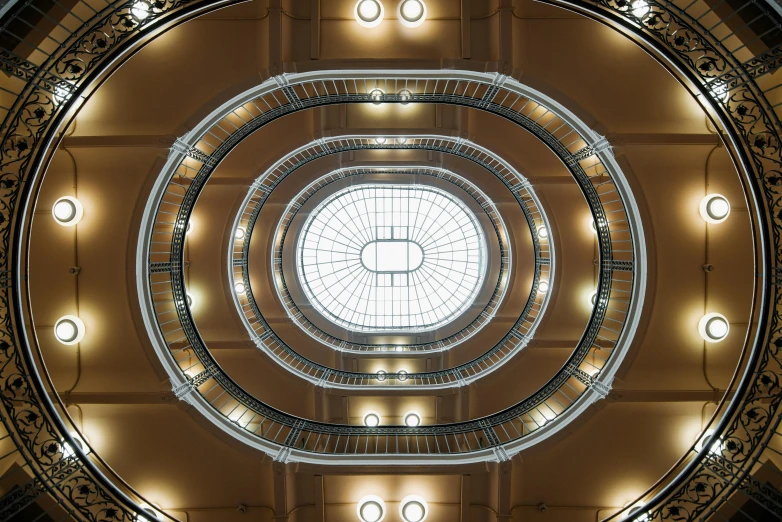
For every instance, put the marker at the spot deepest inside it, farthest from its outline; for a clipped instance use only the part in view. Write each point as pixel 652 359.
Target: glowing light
pixel 69 329
pixel 708 440
pixel 401 141
pixel 411 13
pixel 189 228
pixel 715 208
pixel 371 419
pixel 593 227
pixel 713 327
pixel 369 13
pixel 371 509
pixel 593 298
pixel 240 288
pixel 413 509
pixel 78 441
pixel 412 419
pixel 239 234
pixel 380 141
pixel 67 211
pixel 381 375
pixel 376 95
pixel 542 232
pixel 634 515
pixel 543 286
pixel 402 375
pixel 405 96
pixel 640 8
pixel 140 10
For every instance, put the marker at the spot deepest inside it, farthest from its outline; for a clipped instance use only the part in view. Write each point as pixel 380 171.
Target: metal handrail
pixel 199 378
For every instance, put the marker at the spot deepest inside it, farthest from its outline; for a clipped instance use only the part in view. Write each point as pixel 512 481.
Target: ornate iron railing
pixel 698 45
pixel 199 379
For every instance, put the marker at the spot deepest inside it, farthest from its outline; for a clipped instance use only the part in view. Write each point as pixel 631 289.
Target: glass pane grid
pixel 379 257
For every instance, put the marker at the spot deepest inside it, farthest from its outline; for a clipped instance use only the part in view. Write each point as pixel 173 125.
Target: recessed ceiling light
pixel 371 509
pixel 412 419
pixel 69 329
pixel 543 232
pixel 543 286
pixel 67 211
pixel 371 419
pixel 239 234
pixel 413 509
pixel 411 13
pixel 715 208
pixel 240 288
pixel 369 13
pixel 713 327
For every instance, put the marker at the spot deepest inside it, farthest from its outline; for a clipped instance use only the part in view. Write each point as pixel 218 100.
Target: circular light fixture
pixel 189 228
pixel 405 95
pixel 412 419
pixel 543 232
pixel 411 13
pixel 369 13
pixel 371 419
pixel 401 141
pixel 413 509
pixel 401 375
pixel 713 327
pixel 78 440
pixel 543 286
pixel 240 288
pixel 707 440
pixel 189 299
pixel 640 8
pixel 140 10
pixel 593 298
pixel 381 375
pixel 69 329
pixel 239 234
pixel 371 509
pixel 376 95
pixel 593 227
pixel 715 208
pixel 380 141
pixel 634 514
pixel 67 211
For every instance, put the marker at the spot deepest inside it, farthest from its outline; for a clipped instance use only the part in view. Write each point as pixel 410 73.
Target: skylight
pixel 381 258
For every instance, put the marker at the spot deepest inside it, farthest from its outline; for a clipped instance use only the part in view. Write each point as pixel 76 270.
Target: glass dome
pixel 379 258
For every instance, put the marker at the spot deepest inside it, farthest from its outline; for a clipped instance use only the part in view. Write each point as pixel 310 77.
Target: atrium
pixel 390 260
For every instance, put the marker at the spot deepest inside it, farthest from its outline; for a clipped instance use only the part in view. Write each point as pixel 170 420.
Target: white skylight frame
pixel 420 298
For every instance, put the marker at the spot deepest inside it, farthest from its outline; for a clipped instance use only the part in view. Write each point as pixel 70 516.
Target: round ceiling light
pixel 412 419
pixel 401 141
pixel 593 298
pixel 239 234
pixel 189 299
pixel 543 232
pixel 67 211
pixel 380 141
pixel 401 375
pixel 713 327
pixel 543 286
pixel 240 288
pixel 368 13
pixel 381 375
pixel 371 419
pixel 140 10
pixel 411 13
pixel 69 329
pixel 371 509
pixel 405 96
pixel 715 208
pixel 413 509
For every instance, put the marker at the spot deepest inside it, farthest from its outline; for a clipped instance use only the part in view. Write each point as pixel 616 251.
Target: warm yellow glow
pixel 140 10
pixel 67 211
pixel 543 232
pixel 411 13
pixel 239 288
pixel 715 208
pixel 412 419
pixel 402 375
pixel 543 286
pixel 413 509
pixel 79 440
pixel 239 234
pixel 371 419
pixel 371 508
pixel 713 327
pixel 381 375
pixel 69 329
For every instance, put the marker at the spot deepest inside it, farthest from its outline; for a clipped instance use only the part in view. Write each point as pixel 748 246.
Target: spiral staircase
pixel 421 260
